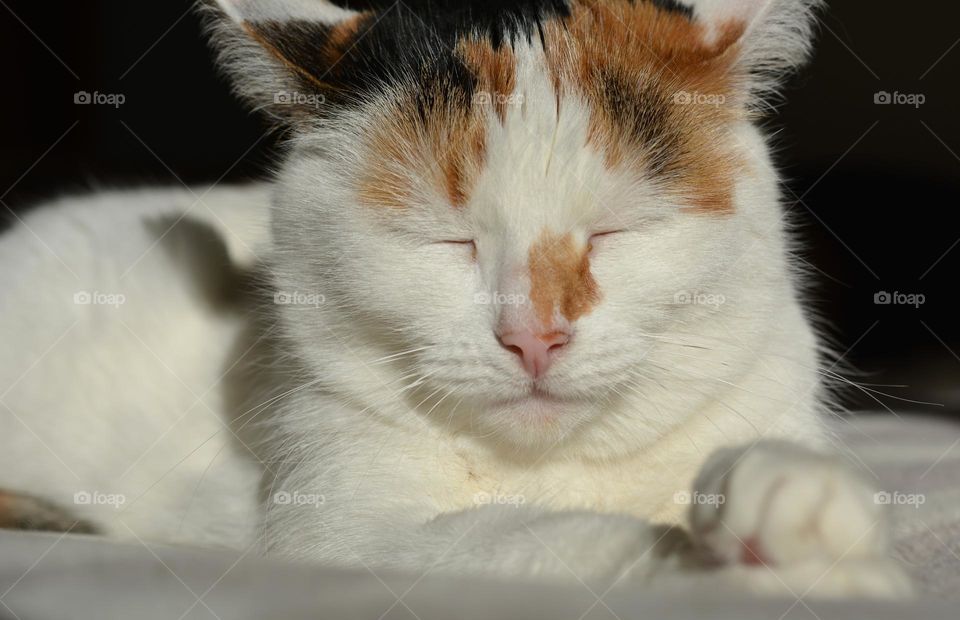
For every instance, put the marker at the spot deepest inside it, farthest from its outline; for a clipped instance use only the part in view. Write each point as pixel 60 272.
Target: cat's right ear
pixel 281 54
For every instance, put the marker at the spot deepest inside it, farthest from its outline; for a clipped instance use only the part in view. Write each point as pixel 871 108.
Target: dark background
pixel 873 188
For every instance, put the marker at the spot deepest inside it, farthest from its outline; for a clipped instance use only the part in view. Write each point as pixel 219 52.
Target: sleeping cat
pixel 519 301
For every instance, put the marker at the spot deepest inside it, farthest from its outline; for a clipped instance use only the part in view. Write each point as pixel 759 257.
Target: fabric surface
pixel 46 576
pixel 916 464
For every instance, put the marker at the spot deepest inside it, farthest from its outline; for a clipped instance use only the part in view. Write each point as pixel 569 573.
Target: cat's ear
pixel 771 38
pixel 280 53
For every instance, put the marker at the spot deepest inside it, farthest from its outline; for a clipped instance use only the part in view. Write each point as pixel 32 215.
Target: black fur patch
pixel 673 6
pixel 500 20
pixel 643 111
pixel 412 42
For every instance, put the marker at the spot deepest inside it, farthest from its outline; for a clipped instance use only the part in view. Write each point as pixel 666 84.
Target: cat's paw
pixel 805 518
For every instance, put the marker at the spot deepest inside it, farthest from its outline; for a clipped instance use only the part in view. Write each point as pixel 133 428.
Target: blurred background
pixel 868 141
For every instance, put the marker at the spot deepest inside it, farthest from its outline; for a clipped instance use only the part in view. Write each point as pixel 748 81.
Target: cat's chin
pixel 535 398
pixel 537 416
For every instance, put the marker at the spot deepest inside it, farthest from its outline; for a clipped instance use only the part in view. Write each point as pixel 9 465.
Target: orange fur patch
pixel 410 156
pixel 631 62
pixel 495 70
pixel 342 37
pixel 444 145
pixel 560 278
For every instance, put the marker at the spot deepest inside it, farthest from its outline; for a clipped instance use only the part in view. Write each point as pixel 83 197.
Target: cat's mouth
pixel 536 395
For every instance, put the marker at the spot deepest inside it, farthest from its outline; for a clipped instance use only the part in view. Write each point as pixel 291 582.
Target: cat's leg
pixel 786 521
pixel 504 542
pixel 790 521
pixel 597 550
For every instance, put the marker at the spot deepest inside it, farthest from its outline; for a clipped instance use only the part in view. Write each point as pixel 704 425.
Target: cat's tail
pixel 24 512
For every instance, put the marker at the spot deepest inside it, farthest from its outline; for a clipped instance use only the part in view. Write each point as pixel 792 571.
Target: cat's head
pixel 514 202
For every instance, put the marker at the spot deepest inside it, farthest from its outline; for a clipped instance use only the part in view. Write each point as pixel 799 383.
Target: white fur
pixel 107 399
pixel 256 10
pixel 776 40
pixel 388 443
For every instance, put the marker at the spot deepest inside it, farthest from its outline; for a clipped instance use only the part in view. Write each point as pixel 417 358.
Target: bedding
pixel 915 462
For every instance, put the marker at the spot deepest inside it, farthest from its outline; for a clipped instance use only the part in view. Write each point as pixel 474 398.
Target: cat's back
pixel 119 221
pixel 130 258
pixel 120 313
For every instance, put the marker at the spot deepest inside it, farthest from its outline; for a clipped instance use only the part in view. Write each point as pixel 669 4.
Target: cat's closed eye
pixel 606 233
pixel 600 236
pixel 468 244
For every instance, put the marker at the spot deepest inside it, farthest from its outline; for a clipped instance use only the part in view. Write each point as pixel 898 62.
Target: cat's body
pixel 645 314
pixel 113 327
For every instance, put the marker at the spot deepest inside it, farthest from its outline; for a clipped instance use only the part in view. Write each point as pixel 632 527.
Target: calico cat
pixel 526 308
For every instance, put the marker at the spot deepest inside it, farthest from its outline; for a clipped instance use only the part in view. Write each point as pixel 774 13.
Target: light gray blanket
pixel 42 576
pixel 916 463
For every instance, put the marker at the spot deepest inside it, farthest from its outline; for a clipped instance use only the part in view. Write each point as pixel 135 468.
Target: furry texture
pixel 454 178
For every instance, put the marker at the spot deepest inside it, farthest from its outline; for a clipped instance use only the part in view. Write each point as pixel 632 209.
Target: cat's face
pixel 513 208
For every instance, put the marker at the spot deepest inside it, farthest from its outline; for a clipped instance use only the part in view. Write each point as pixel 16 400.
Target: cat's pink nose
pixel 536 351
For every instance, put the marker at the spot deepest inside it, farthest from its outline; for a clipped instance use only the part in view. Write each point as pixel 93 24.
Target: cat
pixel 519 302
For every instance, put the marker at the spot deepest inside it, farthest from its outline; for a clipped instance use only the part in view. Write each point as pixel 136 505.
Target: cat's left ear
pixel 282 54
pixel 771 38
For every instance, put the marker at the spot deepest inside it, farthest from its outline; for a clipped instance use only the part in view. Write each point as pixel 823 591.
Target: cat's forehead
pixel 521 92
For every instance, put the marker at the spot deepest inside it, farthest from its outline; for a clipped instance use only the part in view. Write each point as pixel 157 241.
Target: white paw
pixel 805 519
